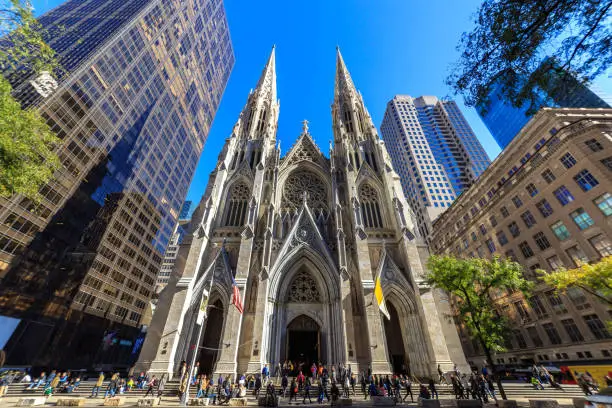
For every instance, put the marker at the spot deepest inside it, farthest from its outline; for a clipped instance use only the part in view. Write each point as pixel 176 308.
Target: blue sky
pixel 390 47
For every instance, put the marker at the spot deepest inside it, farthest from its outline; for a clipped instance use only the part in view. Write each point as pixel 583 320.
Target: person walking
pixel 284 385
pixel 364 386
pixel 96 388
pixel 432 388
pixel 293 390
pixel 307 386
pixel 408 387
pixel 111 389
pixel 353 381
pixel 265 373
pixel 441 377
pixel 257 386
pixel 151 387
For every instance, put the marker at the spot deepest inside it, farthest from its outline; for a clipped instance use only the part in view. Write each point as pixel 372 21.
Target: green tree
pixel 27 158
pixel 471 282
pixel 595 279
pixel 523 45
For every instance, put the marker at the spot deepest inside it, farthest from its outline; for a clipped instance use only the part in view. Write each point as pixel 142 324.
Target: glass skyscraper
pixel 504 120
pixel 141 81
pixel 434 151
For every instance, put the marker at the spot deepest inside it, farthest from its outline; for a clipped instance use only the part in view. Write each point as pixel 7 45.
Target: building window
pixel 604 202
pixel 555 302
pixel 238 205
pixel 531 189
pixel 582 219
pixel 586 180
pixel 602 245
pixel 541 240
pixel 538 306
pixel 522 310
pixel 552 333
pixel 548 176
pixel 597 327
pixel 576 295
pixel 560 230
pixel 490 245
pixel 568 160
pixel 545 208
pixel 370 210
pixel 517 201
pixel 534 336
pixel 474 236
pixel 526 249
pixel 607 162
pixel 520 339
pixel 528 219
pixel 511 255
pixel 501 238
pixel 514 229
pixel 594 145
pixel 483 229
pixel 504 212
pixel 554 262
pixel 493 221
pixel 572 330
pixel 577 255
pixel 563 195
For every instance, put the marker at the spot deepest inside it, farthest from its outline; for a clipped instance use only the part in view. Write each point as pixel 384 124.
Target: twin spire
pixel 266 86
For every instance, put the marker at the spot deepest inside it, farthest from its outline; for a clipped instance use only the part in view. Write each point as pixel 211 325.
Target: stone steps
pixel 513 390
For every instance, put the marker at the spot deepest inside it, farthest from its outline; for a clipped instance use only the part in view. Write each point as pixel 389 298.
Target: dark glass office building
pixel 504 120
pixel 140 85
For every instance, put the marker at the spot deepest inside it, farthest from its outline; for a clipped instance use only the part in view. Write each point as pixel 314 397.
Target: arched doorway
pixel 395 341
pixel 211 338
pixel 303 342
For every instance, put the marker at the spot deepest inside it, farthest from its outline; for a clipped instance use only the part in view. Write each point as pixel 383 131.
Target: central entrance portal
pixel 303 343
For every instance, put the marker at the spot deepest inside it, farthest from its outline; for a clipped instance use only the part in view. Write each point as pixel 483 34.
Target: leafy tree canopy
pixel 472 281
pixel 520 46
pixel 595 279
pixel 27 159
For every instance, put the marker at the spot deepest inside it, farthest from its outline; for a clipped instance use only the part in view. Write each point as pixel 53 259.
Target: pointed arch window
pixel 238 204
pixel 370 208
pixel 348 120
pixel 261 124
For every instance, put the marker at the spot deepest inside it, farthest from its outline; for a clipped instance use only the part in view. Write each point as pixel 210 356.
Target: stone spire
pixel 344 84
pixel 266 86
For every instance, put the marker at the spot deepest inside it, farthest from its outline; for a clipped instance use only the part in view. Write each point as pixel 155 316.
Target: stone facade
pixel 545 202
pixel 303 236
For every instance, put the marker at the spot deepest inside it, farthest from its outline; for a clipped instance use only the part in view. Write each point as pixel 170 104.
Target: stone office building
pixel 545 202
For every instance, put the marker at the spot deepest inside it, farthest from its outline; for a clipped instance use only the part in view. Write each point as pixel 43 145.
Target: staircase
pixel 513 391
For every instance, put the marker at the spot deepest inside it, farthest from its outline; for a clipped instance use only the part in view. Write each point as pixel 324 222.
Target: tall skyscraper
pixel 140 85
pixel 504 120
pixel 435 152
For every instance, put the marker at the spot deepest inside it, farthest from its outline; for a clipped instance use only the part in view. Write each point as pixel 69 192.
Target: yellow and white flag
pixel 380 298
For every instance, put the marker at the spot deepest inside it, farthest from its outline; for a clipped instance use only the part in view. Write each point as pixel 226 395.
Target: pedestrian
pixel 432 388
pixel 111 389
pixel 151 387
pixel 364 385
pixel 346 386
pixel 307 386
pixel 96 388
pixel 265 373
pixel 441 377
pixel 284 385
pixel 424 393
pixel 335 392
pixel 353 381
pixel 293 390
pixel 257 386
pixel 42 379
pixel 408 387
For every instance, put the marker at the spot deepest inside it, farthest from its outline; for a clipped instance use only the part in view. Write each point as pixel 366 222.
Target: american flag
pixel 236 301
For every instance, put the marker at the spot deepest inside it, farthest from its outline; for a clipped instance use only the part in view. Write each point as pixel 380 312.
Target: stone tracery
pixel 304 181
pixel 303 289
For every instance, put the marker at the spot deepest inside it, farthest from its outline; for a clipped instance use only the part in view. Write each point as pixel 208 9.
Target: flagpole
pixel 185 396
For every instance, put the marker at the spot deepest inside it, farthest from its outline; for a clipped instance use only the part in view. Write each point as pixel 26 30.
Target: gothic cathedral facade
pixel 303 237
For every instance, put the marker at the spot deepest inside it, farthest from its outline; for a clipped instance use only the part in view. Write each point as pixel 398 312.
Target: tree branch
pixel 588 34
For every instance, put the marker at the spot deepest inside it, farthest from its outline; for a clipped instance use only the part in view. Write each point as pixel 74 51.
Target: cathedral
pixel 302 237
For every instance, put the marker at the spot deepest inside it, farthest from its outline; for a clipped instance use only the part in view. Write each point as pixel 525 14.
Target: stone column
pixel 348 325
pixel 228 353
pixel 260 331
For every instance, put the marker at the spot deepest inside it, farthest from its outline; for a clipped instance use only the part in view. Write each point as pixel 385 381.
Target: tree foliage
pixel 27 158
pixel 522 45
pixel 595 279
pixel 472 281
